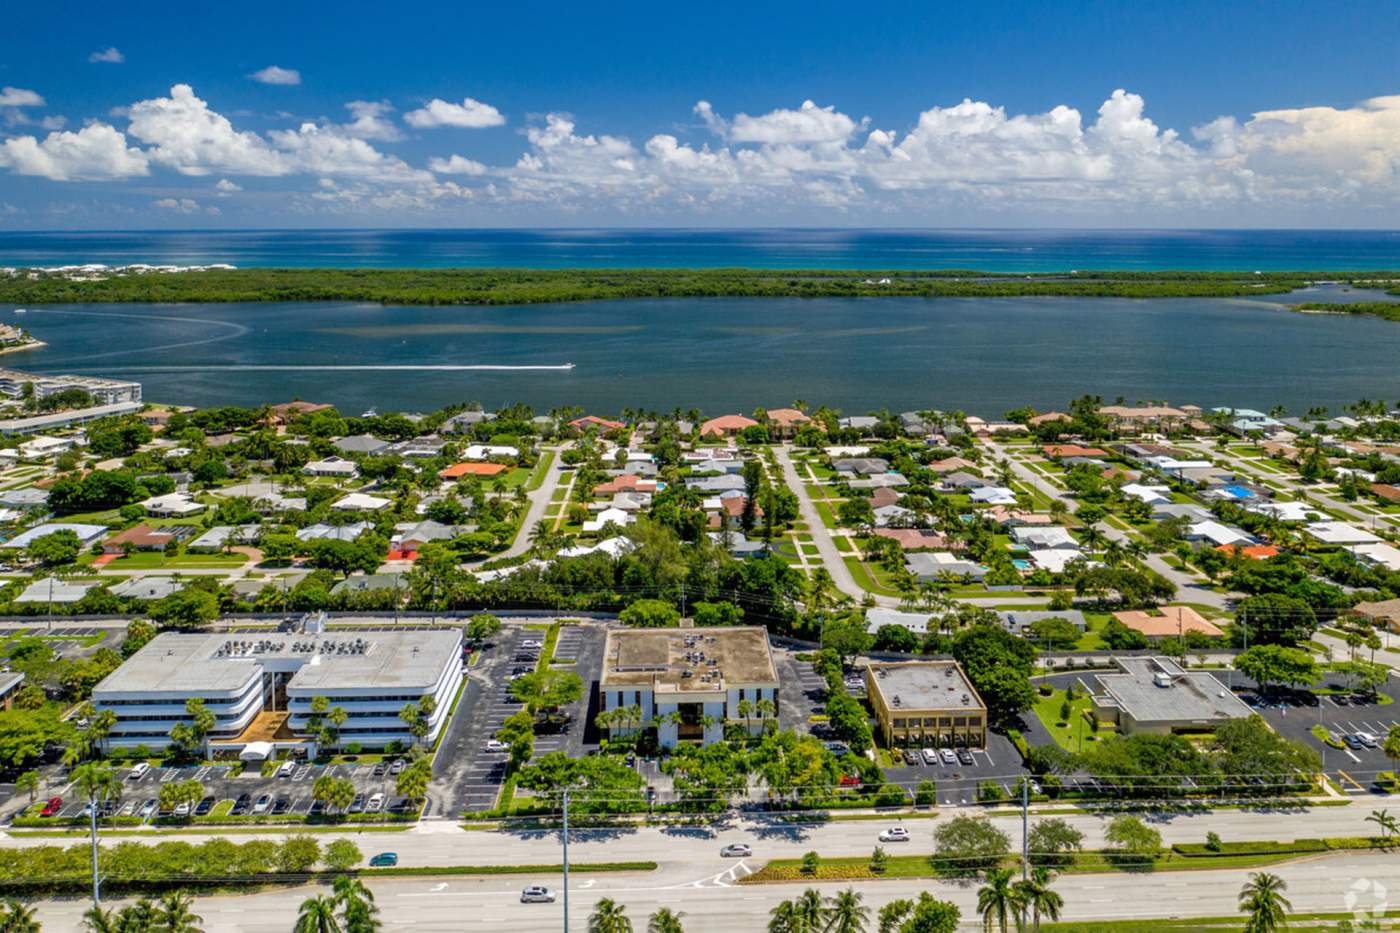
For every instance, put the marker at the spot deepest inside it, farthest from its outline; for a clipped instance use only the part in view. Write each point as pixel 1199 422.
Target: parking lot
pixel 468 777
pixel 958 783
pixel 1353 769
pixel 802 691
pixel 289 796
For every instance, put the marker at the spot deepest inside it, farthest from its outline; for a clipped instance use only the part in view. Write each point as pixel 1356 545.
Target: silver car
pixel 537 894
pixel 736 850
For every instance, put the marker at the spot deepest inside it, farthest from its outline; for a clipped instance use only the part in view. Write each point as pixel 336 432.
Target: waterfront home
pixel 726 426
pixel 1049 417
pixel 337 467
pixel 463 422
pixel 366 444
pixel 862 423
pixel 287 412
pixel 171 505
pixel 1167 621
pixel 1334 532
pixel 361 502
pixel 914 424
pixel 593 421
pixel 1136 417
pixel 787 421
pixel 419 448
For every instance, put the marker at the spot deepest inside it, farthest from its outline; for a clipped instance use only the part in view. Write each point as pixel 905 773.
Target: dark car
pixel 358 804
pixel 380 770
pixel 240 806
pixel 965 757
pixel 317 808
pixel 204 806
pixel 1352 741
pixel 384 860
pixel 281 805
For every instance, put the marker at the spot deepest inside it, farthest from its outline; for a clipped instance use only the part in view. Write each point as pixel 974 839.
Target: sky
pixel 525 114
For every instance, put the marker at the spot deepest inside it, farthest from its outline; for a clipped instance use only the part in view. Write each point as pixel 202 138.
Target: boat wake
pixel 342 367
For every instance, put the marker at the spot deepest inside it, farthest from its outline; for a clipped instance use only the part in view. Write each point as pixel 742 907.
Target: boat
pixel 568 365
pixel 19 310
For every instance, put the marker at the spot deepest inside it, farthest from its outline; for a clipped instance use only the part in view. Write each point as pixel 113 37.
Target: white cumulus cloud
pixel 110 55
pixel 19 97
pixel 179 205
pixel 806 125
pixel 370 122
pixel 272 74
pixel 225 187
pixel 97 152
pixel 469 114
pixel 456 165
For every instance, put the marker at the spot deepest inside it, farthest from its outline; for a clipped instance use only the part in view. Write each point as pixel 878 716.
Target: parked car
pixel 496 745
pixel 930 756
pixel 148 808
pixel 317 808
pixel 736 850
pixel 838 748
pixel 357 805
pixel 281 805
pixel 263 804
pixel 895 834
pixel 379 770
pixel 1352 741
pixel 128 809
pixel 375 804
pixel 398 765
pixel 184 808
pixel 1367 739
pixel 965 757
pixel 384 860
pixel 949 756
pixel 288 767
pixel 850 780
pixel 537 894
pixel 240 806
pixel 53 806
pixel 204 806
pixel 138 772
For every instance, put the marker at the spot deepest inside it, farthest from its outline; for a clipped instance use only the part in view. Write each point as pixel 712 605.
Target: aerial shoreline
pixel 471 286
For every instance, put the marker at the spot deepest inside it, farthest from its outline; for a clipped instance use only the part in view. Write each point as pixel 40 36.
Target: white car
pixel 736 850
pixel 184 809
pixel 375 804
pixel 537 894
pixel 496 745
pixel 532 643
pixel 138 772
pixel 930 756
pixel 1367 739
pixel 950 757
pixel 263 804
pixel 895 834
pixel 128 808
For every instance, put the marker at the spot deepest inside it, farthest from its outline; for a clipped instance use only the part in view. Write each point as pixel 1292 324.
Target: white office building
pixel 261 687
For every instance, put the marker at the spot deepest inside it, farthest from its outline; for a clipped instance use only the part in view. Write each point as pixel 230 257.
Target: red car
pixel 53 806
pixel 850 780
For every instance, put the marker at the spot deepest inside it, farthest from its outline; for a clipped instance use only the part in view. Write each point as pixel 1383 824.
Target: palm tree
pixel 1384 821
pixel 665 920
pixel 356 904
pixel 997 900
pixel 97 920
pixel 317 915
pixel 811 911
pixel 18 918
pixel 176 916
pixel 28 781
pixel 1262 900
pixel 609 917
pixel 138 917
pixel 846 913
pixel 1034 894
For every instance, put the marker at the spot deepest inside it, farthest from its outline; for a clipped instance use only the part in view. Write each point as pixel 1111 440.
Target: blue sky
pixel 1073 114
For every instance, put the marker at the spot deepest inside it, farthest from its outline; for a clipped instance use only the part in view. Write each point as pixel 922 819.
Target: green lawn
pixel 155 560
pixel 1070 734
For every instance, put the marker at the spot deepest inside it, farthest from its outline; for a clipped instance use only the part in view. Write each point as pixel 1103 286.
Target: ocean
pixel 985 250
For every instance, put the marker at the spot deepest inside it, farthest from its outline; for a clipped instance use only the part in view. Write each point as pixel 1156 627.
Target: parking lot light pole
pixel 566 860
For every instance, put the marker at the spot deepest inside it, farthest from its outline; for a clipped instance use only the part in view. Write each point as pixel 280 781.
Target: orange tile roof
pixel 1173 620
pixel 787 416
pixel 590 420
pixel 458 470
pixel 725 423
pixel 1252 551
pixel 627 482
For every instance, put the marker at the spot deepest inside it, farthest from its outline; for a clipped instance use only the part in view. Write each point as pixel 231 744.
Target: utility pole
pixel 1025 827
pixel 96 880
pixel 682 599
pixel 566 860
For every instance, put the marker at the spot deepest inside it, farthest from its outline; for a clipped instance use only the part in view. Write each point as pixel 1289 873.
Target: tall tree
pixel 665 920
pixel 609 917
pixel 1263 904
pixel 997 900
pixel 317 915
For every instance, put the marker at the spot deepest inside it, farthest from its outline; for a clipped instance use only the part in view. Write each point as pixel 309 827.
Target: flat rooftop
pixel 1194 696
pixel 220 663
pixel 687 659
pixel 923 685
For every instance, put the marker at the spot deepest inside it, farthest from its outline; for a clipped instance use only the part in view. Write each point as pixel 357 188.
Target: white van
pixel 140 771
pixel 287 768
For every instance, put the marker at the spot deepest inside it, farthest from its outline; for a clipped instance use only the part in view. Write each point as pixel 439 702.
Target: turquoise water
pixel 987 250
pixel 980 355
